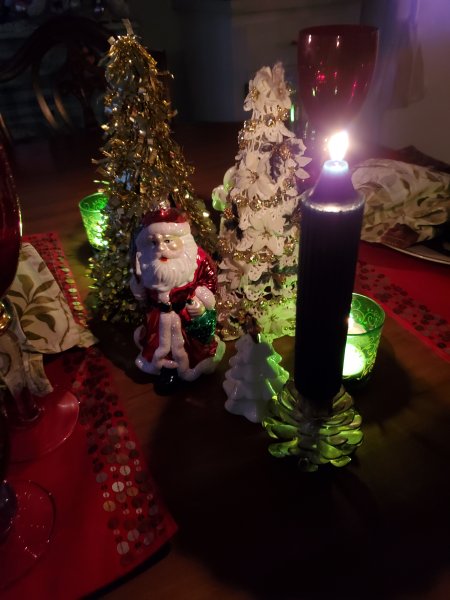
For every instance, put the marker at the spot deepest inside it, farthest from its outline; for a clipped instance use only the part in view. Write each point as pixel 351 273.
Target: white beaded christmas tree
pixel 258 240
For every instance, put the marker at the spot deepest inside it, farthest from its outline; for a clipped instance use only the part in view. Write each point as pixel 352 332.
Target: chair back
pixel 73 46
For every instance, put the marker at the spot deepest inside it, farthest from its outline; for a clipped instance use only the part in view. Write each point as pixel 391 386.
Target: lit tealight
pixel 354 361
pixel 354 328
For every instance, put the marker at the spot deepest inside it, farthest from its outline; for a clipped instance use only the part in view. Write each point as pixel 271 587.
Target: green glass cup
pixel 364 332
pixel 94 219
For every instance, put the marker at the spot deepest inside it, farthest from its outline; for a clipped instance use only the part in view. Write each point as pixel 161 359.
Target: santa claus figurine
pixel 175 280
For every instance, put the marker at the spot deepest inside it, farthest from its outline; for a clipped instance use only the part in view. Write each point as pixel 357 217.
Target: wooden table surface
pixel 251 526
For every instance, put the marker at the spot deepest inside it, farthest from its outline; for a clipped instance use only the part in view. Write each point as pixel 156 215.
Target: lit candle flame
pixel 337 145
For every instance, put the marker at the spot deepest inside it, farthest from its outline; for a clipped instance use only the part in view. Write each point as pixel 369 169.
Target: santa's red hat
pixel 166 221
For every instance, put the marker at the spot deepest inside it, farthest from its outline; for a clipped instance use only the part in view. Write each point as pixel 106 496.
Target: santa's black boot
pixel 167 382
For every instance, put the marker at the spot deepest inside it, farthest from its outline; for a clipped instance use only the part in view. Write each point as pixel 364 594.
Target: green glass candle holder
pixel 94 219
pixel 364 332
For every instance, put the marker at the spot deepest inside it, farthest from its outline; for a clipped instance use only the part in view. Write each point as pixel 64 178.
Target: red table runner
pixel 415 292
pixel 109 516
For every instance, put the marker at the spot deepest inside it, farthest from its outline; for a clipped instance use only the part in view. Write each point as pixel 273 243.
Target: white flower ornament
pixel 253 176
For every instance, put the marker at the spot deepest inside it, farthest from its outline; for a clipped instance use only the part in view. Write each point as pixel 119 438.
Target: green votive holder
pixel 94 220
pixel 364 332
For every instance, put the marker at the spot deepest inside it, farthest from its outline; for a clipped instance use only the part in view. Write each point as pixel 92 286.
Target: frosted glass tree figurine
pixel 258 239
pixel 254 375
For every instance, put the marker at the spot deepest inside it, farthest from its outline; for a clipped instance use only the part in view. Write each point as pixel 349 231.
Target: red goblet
pixel 36 427
pixel 26 509
pixel 335 67
pixel 27 515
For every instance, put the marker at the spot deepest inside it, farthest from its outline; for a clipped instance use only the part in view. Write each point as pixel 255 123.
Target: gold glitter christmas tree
pixel 143 169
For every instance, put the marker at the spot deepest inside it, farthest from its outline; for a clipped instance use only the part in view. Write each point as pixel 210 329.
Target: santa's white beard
pixel 163 276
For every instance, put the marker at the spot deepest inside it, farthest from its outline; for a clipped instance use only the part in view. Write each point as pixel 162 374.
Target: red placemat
pixel 109 516
pixel 415 292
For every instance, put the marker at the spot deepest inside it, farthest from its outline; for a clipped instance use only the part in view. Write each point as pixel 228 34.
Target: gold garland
pixel 256 203
pixel 267 256
pixel 141 169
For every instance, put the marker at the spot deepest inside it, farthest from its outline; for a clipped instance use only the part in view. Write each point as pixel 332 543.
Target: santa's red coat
pixel 205 275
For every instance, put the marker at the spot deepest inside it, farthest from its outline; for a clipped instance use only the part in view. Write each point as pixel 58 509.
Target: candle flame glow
pixel 337 145
pixel 354 361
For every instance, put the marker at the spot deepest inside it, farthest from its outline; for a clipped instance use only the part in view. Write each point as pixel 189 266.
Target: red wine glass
pixel 37 427
pixel 26 509
pixel 10 234
pixel 27 515
pixel 335 67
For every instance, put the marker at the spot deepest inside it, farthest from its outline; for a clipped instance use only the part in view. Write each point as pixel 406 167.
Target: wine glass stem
pixel 26 407
pixel 21 408
pixel 8 509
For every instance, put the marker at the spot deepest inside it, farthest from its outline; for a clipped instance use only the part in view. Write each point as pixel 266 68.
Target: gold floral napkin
pixel 405 203
pixel 42 324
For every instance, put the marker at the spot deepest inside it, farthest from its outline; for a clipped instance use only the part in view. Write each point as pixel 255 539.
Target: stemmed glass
pixel 335 67
pixel 26 509
pixel 36 428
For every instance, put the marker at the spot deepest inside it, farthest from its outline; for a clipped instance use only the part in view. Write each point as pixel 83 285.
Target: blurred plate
pixel 437 250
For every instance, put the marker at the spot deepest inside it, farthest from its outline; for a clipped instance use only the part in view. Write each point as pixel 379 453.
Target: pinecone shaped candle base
pixel 317 439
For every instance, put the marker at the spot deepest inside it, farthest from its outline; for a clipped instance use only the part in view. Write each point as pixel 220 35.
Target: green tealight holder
pixel 94 219
pixel 363 338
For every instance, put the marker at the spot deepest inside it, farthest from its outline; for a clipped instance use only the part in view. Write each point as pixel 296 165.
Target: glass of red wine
pixel 335 67
pixel 26 509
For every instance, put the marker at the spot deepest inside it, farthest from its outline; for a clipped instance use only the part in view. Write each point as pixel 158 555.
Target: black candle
pixel 331 218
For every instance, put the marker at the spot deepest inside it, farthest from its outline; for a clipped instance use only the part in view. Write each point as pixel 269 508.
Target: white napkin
pixel 405 203
pixel 42 324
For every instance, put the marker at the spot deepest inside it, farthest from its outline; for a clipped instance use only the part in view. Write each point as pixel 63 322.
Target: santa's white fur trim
pixel 170 329
pixel 137 336
pixel 170 340
pixel 146 366
pixel 137 288
pixel 164 228
pixel 206 296
pixel 178 352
